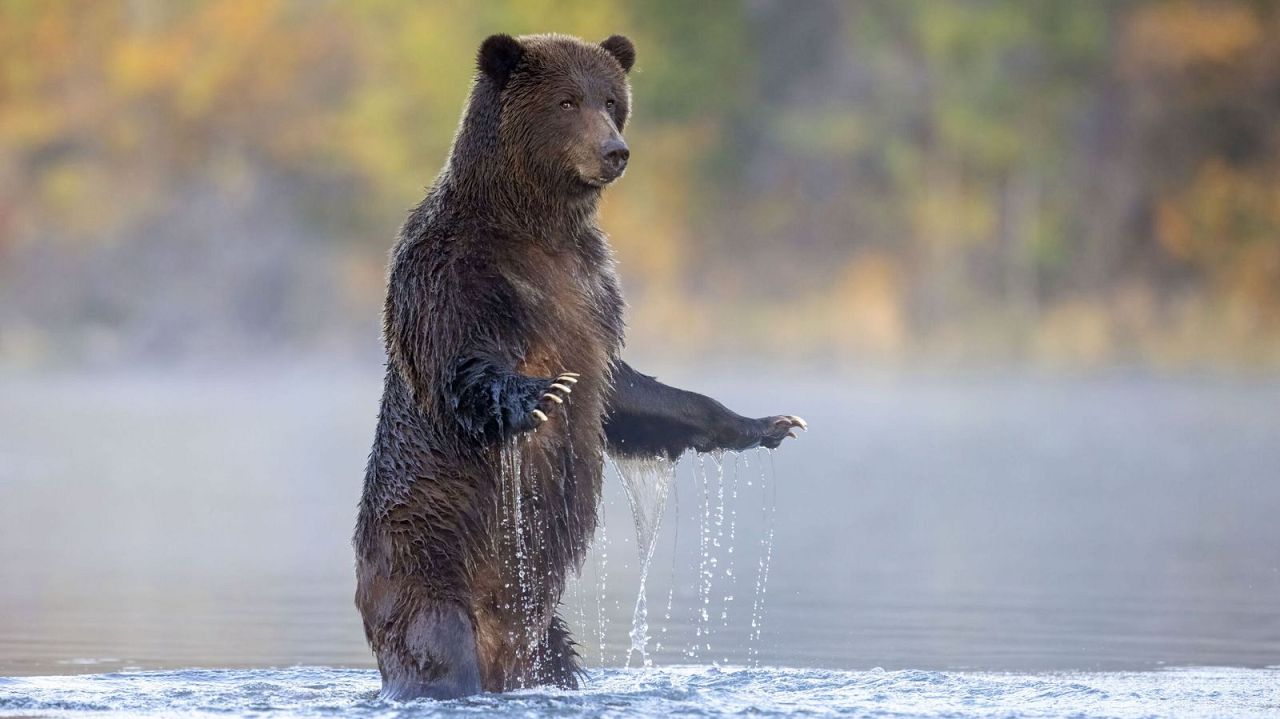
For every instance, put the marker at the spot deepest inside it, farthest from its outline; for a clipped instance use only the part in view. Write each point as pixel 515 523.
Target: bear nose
pixel 616 154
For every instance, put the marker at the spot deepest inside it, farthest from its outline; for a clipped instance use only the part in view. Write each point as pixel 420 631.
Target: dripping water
pixel 646 482
pixel 525 536
pixel 730 546
pixel 769 503
pixel 699 620
pixel 602 583
pixel 511 517
pixel 713 566
pixel 726 596
pixel 675 560
pixel 520 517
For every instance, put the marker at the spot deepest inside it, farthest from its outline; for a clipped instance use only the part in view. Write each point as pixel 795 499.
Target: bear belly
pixel 549 487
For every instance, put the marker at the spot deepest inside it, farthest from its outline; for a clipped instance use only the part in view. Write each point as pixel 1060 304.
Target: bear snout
pixel 615 153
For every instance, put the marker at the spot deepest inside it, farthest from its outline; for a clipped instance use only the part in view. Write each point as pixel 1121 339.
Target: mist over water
pixel 924 524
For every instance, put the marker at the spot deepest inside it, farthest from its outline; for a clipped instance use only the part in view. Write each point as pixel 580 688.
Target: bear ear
pixel 498 57
pixel 622 50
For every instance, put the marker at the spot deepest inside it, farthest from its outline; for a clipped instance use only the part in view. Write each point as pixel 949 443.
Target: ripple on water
pixel 663 691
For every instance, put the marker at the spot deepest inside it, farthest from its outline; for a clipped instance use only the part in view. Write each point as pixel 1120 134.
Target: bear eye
pixel 609 104
pixel 566 104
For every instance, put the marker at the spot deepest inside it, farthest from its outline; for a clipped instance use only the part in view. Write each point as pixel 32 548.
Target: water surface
pixel 925 524
pixel 680 691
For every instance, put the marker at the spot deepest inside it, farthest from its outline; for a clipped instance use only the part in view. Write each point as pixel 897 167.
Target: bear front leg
pixel 648 418
pixel 494 402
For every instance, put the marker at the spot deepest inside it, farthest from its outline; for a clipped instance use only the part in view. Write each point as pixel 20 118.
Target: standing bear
pixel 504 387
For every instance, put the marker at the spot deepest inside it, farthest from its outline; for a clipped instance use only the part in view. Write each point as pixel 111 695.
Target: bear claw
pixel 780 427
pixel 555 395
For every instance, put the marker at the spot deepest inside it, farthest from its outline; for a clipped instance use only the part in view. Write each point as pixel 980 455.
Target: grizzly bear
pixel 503 387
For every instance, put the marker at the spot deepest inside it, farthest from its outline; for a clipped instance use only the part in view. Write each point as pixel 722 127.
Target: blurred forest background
pixel 1072 183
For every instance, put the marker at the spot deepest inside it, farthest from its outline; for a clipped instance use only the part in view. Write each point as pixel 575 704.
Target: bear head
pixel 562 105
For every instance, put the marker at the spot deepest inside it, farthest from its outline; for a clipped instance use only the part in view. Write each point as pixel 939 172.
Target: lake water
pixel 974 545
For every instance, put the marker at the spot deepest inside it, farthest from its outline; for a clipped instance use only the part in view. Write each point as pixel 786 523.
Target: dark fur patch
pixel 622 49
pixel 498 57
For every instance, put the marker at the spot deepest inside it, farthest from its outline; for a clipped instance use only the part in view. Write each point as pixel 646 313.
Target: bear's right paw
pixel 555 394
pixel 780 427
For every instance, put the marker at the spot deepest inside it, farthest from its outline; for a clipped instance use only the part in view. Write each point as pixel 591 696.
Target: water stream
pixel 646 482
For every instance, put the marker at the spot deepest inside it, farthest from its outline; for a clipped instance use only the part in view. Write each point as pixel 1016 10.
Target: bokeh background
pixel 1017 262
pixel 1072 184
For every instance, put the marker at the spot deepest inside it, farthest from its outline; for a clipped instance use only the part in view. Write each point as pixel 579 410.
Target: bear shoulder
pixel 447 298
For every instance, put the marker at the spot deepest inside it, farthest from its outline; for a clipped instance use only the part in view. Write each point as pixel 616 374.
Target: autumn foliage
pixel 1073 183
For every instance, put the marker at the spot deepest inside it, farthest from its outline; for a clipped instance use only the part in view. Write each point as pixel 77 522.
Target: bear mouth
pixel 600 180
pixel 596 175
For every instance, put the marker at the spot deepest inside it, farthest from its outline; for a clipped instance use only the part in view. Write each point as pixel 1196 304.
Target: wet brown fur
pixel 500 280
pixel 501 268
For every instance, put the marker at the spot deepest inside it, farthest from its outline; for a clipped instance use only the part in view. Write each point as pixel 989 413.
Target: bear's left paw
pixel 779 428
pixel 557 391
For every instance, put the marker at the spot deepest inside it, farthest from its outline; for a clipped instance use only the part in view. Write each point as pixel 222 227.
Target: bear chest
pixel 574 321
